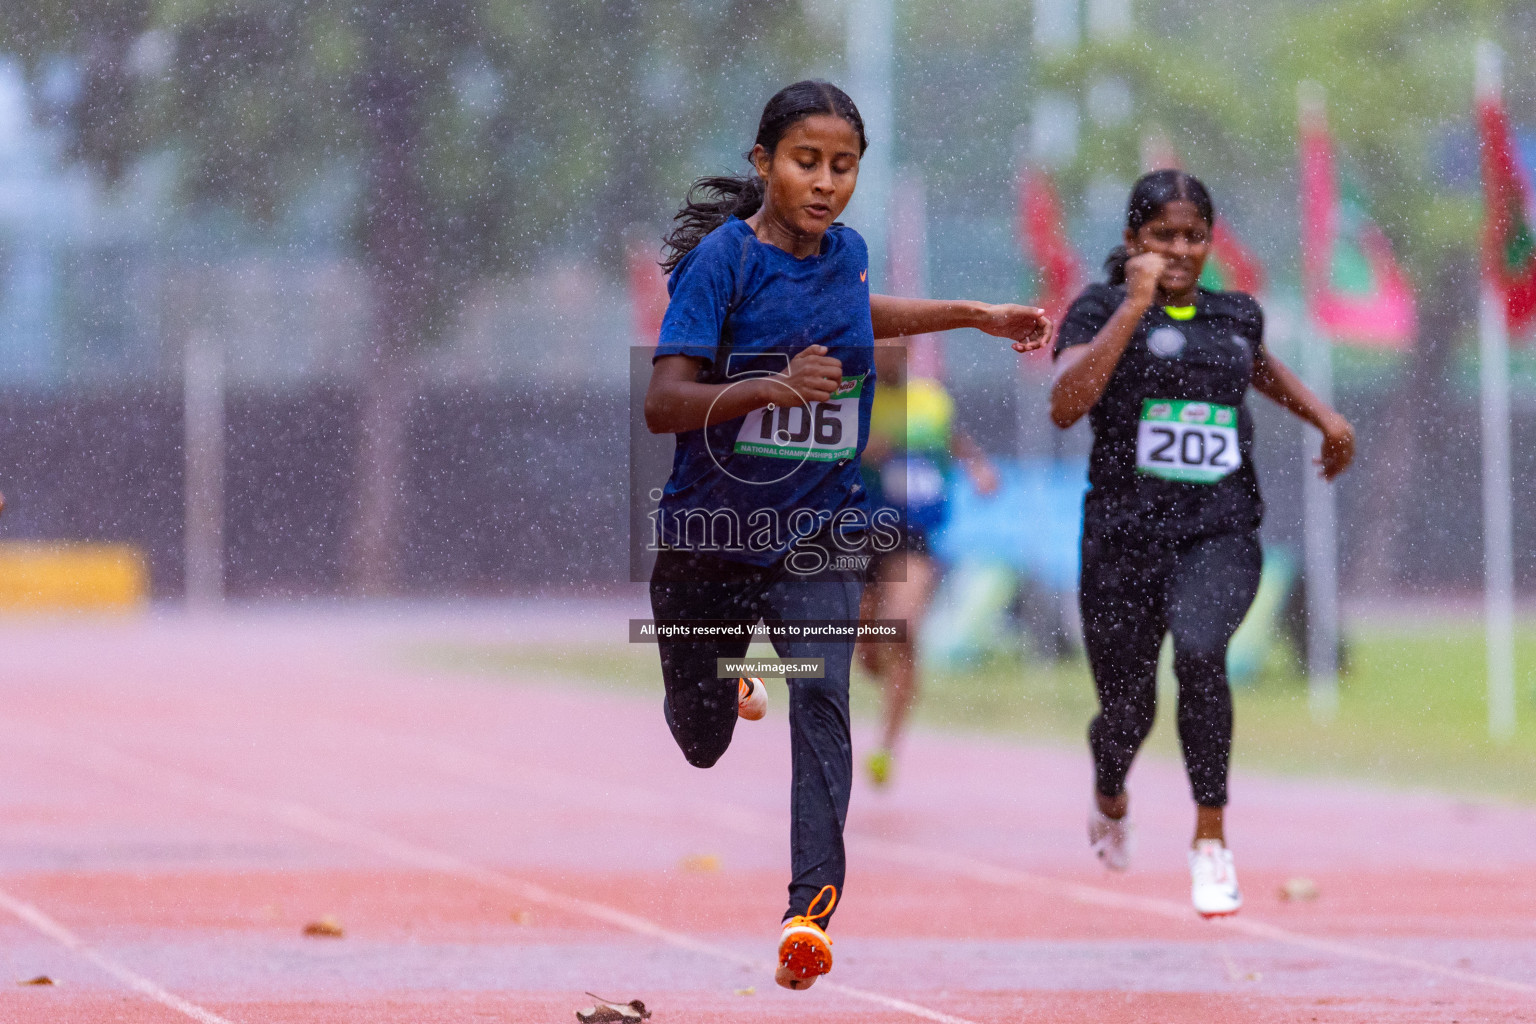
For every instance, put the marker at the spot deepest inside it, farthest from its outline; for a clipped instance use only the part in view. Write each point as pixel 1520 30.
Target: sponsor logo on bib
pixel 1166 342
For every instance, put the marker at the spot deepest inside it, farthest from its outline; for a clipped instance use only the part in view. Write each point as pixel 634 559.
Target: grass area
pixel 1411 709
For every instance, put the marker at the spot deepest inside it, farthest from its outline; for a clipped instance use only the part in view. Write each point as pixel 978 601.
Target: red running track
pixel 180 797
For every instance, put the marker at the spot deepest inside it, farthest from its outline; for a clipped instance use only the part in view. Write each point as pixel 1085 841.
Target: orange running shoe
pixel 751 698
pixel 805 951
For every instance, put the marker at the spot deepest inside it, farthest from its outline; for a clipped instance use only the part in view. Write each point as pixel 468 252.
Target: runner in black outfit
pixel 1170 530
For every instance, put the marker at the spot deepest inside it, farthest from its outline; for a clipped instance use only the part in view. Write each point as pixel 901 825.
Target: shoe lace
pixel 812 915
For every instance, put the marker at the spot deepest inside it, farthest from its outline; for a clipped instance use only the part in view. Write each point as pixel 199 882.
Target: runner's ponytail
pixel 1149 195
pixel 733 196
pixel 712 201
pixel 1114 264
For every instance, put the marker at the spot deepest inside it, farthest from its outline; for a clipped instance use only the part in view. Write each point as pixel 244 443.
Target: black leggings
pixel 700 708
pixel 1130 597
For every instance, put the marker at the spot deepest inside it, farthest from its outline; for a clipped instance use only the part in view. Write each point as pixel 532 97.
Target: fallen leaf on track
pixel 326 928
pixel 749 991
pixel 521 917
pixel 1298 890
pixel 41 979
pixel 609 1012
pixel 702 864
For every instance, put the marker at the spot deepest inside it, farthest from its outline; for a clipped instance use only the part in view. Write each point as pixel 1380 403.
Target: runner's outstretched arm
pixel 1026 326
pixel 1275 380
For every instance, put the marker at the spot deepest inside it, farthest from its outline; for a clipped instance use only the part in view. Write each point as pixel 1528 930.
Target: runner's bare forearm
pixel 675 401
pixel 897 317
pixel 977 465
pixel 1083 371
pixel 1279 383
pixel 1274 379
pixel 962 447
pixel 1026 326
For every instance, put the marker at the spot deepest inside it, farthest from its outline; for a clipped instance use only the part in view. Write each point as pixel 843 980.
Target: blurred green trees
pixel 472 137
pixel 1220 80
pixel 475 137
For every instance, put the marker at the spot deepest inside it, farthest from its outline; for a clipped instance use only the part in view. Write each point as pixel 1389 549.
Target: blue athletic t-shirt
pixel 744 488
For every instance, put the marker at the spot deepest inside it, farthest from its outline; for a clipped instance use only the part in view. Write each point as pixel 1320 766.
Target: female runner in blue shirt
pixel 765 373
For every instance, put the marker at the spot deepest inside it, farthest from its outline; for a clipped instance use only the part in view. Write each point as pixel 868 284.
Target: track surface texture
pixel 182 796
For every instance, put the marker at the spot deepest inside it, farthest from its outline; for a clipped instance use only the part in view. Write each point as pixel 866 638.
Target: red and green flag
pixel 647 291
pixel 1231 266
pixel 1509 243
pixel 1357 293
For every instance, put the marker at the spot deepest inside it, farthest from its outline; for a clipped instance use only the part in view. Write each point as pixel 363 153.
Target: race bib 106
pixel 1193 442
pixel 821 432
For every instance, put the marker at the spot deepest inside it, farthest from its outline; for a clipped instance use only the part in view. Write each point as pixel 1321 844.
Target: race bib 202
pixel 1193 442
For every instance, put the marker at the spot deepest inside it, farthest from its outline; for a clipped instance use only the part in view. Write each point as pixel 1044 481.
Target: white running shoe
pixel 751 698
pixel 1213 880
pixel 1113 839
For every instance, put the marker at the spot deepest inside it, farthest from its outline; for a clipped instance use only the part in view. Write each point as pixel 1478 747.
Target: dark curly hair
pixel 714 200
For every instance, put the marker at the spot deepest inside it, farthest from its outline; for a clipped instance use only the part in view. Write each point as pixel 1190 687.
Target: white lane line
pixel 1090 895
pixel 487 770
pixel 315 823
pixel 63 936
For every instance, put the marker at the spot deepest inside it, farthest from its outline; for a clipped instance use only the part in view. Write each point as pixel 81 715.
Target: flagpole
pixel 1025 425
pixel 869 50
pixel 203 466
pixel 1498 526
pixel 1498 540
pixel 1320 539
pixel 1320 555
